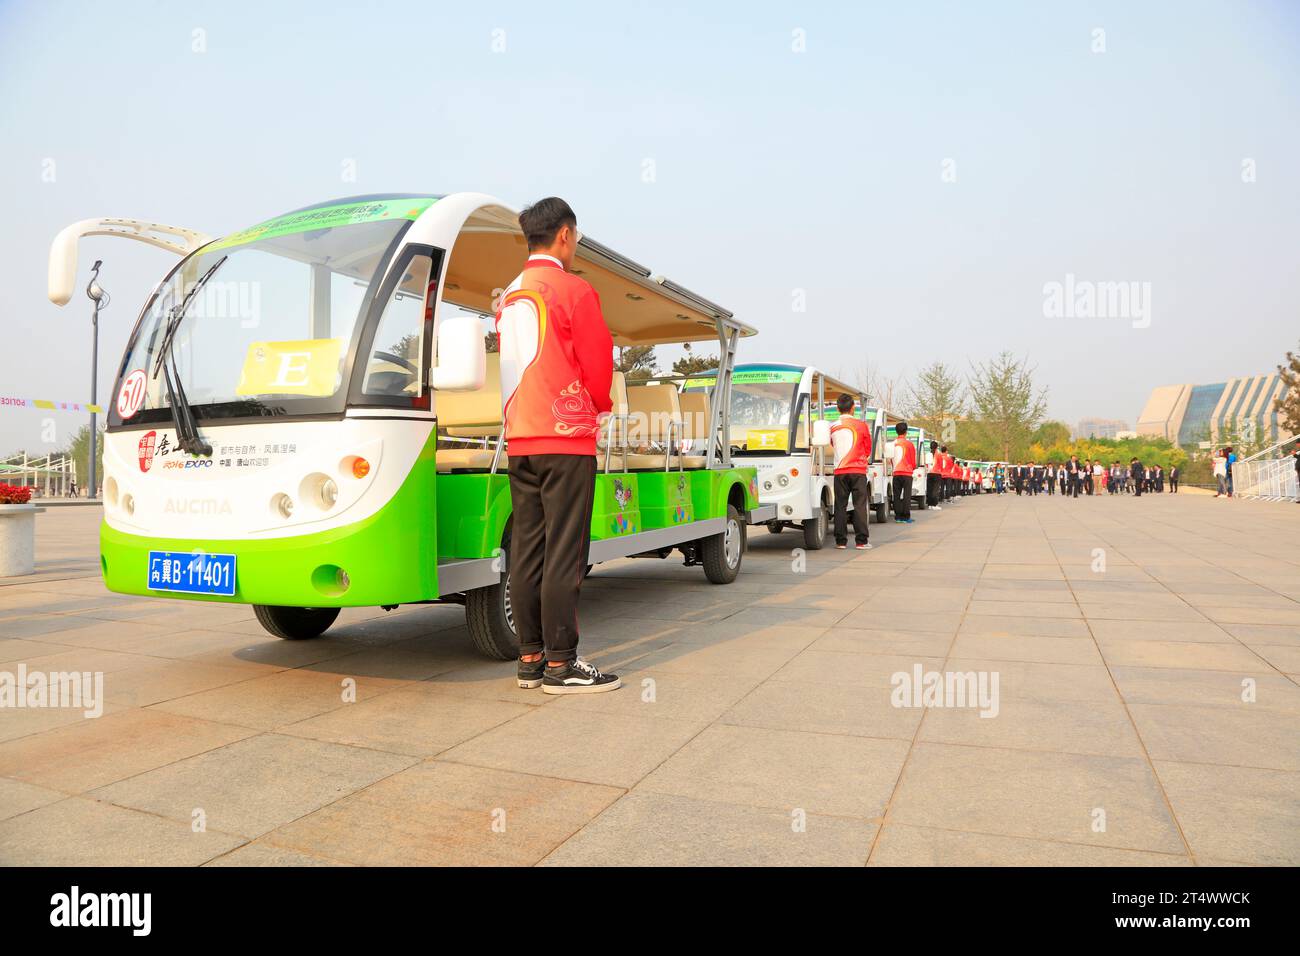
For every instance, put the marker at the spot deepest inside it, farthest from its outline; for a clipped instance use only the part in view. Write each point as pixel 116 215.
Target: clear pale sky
pixel 773 170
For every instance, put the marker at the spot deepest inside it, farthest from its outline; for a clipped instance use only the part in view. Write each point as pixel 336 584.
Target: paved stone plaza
pixel 1148 713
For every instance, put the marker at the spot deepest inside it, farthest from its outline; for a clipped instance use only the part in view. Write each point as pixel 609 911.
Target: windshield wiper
pixel 187 429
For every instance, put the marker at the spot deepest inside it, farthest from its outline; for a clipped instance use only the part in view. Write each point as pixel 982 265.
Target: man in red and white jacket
pixel 556 368
pixel 904 465
pixel 851 442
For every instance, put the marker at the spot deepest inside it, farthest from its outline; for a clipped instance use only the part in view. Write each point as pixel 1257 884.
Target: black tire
pixel 921 504
pixel 775 527
pixel 487 613
pixel 816 528
pixel 879 510
pixel 724 552
pixel 295 623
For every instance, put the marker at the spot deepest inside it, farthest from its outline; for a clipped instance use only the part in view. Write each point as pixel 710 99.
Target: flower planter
pixel 17 539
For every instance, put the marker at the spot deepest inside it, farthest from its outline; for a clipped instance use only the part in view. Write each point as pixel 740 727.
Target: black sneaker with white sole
pixel 578 677
pixel 530 672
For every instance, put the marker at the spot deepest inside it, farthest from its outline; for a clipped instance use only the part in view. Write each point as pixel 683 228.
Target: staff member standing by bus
pixel 851 442
pixel 556 369
pixel 933 477
pixel 904 465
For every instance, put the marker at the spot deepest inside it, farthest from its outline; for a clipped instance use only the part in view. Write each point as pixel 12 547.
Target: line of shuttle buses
pixel 306 418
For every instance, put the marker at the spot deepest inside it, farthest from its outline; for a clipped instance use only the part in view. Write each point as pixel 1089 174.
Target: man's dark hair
pixel 944 449
pixel 845 404
pixel 900 429
pixel 543 219
pixel 934 445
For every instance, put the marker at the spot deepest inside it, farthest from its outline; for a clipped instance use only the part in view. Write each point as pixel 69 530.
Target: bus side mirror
pixel 821 436
pixel 462 355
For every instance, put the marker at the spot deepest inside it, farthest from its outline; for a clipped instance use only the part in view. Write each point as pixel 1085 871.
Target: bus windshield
pixel 271 329
pixel 760 416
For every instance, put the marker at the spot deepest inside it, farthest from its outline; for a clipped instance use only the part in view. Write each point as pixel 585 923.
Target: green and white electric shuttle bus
pixel 775 414
pixel 306 418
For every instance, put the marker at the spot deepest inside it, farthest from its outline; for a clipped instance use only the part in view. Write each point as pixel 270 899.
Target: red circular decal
pixel 130 399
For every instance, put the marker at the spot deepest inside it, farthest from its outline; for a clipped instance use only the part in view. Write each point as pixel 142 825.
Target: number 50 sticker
pixel 131 397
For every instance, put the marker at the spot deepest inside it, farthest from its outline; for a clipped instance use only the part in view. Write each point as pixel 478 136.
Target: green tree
pixel 1049 434
pixel 692 364
pixel 1288 406
pixel 1006 402
pixel 636 362
pixel 937 399
pixel 79 450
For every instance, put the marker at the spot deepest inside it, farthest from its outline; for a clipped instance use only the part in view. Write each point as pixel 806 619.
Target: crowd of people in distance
pixel 1089 477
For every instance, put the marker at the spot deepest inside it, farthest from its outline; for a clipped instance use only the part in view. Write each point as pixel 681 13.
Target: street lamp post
pixel 101 299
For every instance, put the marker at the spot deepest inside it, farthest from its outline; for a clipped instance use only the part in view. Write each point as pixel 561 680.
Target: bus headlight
pixel 783 480
pixel 282 505
pixel 328 493
pixel 128 504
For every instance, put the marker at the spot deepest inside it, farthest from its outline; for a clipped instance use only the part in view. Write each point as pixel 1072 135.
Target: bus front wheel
pixel 295 623
pixel 722 552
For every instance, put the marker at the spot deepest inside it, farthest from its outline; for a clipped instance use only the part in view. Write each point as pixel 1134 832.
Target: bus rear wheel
pixel 490 618
pixel 722 552
pixel 295 623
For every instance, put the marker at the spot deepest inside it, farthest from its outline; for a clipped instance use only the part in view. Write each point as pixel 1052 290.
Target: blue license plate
pixel 192 573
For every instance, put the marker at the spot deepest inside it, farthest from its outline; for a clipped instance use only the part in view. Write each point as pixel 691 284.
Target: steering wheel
pixel 397 360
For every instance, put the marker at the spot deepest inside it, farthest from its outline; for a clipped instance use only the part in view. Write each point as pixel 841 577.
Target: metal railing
pixel 1266 478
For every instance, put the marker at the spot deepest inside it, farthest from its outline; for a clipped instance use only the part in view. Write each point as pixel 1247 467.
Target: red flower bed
pixel 14 494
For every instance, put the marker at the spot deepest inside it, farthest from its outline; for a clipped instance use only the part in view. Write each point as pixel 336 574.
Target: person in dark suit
pixel 1174 475
pixel 1135 469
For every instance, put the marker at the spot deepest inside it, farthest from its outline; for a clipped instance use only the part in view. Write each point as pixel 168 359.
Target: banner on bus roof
pixel 328 217
pixel 749 377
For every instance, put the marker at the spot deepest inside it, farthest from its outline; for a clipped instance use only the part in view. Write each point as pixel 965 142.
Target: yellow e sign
pixel 767 439
pixel 302 367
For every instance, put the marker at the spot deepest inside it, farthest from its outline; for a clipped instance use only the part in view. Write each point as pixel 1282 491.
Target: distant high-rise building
pixel 1191 414
pixel 1100 428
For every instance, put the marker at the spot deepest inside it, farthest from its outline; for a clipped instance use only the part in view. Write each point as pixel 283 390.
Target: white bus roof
pixel 487 252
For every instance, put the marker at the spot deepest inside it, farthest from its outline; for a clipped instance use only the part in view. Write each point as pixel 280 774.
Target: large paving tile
pixel 92 753
pixel 571 744
pixel 1037 609
pixel 1043 650
pixel 1245 736
pixel 1169 685
pixel 254 785
pixel 825 709
pixel 924 846
pixel 893 642
pixel 995 625
pixel 446 814
pixel 858 670
pixel 416 721
pixel 1184 632
pixel 1238 814
pixel 17 797
pixel 1186 656
pixel 259 853
pixel 697 699
pixel 1022 723
pixel 784 770
pixel 1043 681
pixel 657 829
pixel 80 832
pixel 285 697
pixel 1040 795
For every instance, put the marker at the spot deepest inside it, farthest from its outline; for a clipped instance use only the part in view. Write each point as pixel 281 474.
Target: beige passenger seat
pixel 475 414
pixel 614 434
pixel 695 418
pixel 653 410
